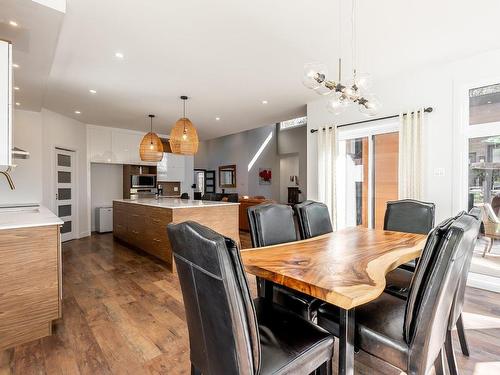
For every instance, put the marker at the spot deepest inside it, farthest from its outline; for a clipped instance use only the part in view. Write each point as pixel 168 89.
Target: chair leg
pixel 325 368
pixel 450 354
pixel 438 364
pixel 488 247
pixel 461 336
pixel 194 370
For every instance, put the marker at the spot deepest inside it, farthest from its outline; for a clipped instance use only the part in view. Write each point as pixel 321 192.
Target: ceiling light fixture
pixel 343 94
pixel 184 137
pixel 16 88
pixel 217 119
pixel 92 91
pixel 119 55
pixel 151 148
pixel 18 104
pixel 489 102
pixel 13 23
pixel 15 65
pixel 77 112
pixel 264 102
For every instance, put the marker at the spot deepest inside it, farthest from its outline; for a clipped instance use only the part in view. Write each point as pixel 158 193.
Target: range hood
pixel 17 153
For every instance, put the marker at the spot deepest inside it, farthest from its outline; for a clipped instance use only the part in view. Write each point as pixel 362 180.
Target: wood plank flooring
pixel 123 314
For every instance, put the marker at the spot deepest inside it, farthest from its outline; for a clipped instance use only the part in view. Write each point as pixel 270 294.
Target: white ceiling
pixel 229 55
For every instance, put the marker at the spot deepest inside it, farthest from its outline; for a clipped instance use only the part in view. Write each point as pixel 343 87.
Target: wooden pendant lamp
pixel 184 138
pixel 151 148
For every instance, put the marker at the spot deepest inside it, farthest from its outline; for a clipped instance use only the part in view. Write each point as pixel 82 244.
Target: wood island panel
pixel 30 283
pixel 345 268
pixel 145 227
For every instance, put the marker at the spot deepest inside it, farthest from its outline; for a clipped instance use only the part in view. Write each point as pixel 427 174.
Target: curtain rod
pixel 428 110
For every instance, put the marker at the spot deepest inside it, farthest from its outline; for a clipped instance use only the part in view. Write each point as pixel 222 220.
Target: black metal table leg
pixel 346 342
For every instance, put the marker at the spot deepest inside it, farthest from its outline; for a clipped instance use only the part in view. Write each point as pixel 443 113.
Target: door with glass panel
pixel 65 194
pixel 367 171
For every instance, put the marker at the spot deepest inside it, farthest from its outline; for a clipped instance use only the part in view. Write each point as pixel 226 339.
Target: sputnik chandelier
pixel 342 94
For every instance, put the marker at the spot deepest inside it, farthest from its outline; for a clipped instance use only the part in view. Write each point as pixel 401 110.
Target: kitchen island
pixel 30 273
pixel 142 223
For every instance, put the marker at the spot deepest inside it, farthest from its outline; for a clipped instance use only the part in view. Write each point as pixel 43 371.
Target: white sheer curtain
pixel 327 159
pixel 410 154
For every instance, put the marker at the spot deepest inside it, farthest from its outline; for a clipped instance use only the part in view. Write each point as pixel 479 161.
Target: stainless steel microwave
pixel 143 181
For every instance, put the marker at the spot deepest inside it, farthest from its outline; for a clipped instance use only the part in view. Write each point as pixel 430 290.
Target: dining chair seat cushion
pixel 398 282
pixel 300 303
pixel 289 343
pixel 379 328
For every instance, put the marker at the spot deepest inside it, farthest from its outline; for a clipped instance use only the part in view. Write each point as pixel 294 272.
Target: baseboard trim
pixel 477 280
pixel 84 234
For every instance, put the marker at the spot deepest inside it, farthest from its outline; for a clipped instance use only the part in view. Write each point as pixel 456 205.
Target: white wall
pixel 61 131
pixel 27 176
pixel 239 149
pixel 294 141
pixel 289 166
pixel 106 185
pixel 434 86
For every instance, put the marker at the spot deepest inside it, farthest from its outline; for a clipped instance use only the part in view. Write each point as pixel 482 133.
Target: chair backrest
pixel 458 303
pixel 490 213
pixel 314 219
pixel 184 196
pixel 271 224
pixel 433 291
pixel 222 325
pixel 409 215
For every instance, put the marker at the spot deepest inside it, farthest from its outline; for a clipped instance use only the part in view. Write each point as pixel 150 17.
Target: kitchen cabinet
pixel 100 146
pixel 5 104
pixel 30 279
pixel 172 168
pixel 112 145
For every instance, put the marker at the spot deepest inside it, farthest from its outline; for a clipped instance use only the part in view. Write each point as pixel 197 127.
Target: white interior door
pixel 65 192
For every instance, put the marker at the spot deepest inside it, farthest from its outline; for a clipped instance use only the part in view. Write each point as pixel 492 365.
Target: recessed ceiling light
pixel 92 91
pixel 16 88
pixel 15 65
pixel 264 102
pixel 217 118
pixel 18 104
pixel 489 101
pixel 13 23
pixel 77 112
pixel 119 55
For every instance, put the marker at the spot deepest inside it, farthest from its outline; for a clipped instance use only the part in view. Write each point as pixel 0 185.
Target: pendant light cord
pixel 340 40
pixel 353 37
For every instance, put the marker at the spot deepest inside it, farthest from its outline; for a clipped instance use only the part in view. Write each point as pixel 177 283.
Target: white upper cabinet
pixel 5 104
pixel 100 145
pixel 112 145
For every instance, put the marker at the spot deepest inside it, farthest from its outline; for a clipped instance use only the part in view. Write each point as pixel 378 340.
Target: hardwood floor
pixel 123 314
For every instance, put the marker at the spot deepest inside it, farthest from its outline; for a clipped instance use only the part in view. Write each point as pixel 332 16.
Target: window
pixel 367 171
pixel 293 123
pixel 484 146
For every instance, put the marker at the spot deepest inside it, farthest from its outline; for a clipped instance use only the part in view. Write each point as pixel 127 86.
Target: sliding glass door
pixel 367 174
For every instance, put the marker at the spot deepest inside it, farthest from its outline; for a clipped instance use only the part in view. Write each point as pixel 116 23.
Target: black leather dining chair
pixel 410 334
pixel 272 224
pixel 184 196
pixel 411 216
pixel 314 219
pixel 228 332
pixel 400 283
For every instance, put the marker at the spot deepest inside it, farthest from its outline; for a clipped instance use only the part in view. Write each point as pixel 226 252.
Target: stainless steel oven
pixel 140 181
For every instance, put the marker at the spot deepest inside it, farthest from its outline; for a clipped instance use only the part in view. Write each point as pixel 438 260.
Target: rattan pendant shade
pixel 151 148
pixel 184 137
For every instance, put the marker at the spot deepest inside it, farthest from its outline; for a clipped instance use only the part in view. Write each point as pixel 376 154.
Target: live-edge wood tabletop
pixel 346 268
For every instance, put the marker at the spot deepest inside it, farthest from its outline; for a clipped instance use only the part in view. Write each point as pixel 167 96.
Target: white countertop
pixel 13 217
pixel 175 202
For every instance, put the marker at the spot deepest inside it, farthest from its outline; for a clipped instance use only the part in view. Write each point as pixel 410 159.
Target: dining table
pixel 345 268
